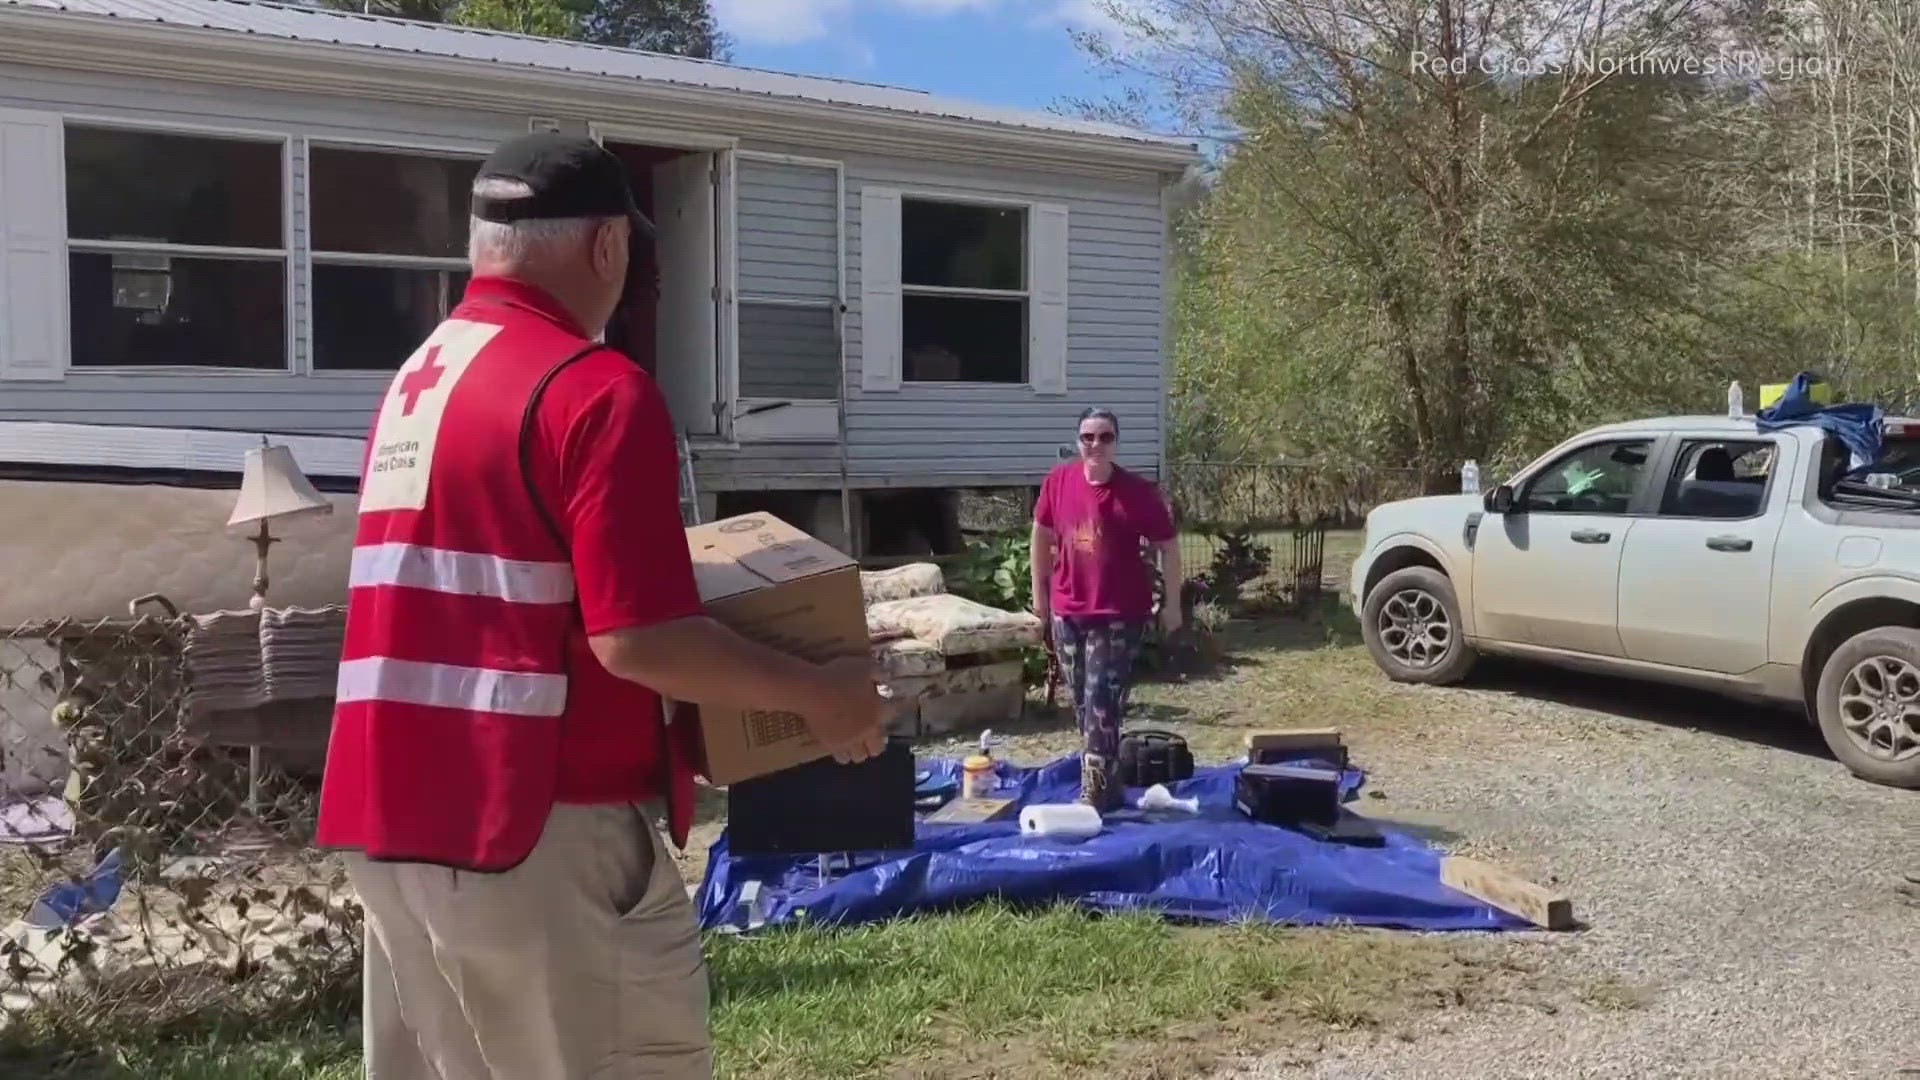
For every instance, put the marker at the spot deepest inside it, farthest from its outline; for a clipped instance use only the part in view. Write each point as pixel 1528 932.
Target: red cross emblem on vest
pixel 420 380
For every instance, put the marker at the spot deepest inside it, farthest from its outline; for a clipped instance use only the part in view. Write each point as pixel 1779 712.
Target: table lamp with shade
pixel 272 489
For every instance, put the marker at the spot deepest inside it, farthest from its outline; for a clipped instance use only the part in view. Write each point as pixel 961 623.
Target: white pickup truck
pixel 1697 551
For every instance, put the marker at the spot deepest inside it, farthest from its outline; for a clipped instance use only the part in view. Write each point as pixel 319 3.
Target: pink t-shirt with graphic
pixel 1098 565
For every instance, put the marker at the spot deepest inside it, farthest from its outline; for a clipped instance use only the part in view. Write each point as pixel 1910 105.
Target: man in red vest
pixel 521 589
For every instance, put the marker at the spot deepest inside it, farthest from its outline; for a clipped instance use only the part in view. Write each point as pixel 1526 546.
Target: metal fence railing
pixel 1258 533
pixel 1254 536
pixel 154 860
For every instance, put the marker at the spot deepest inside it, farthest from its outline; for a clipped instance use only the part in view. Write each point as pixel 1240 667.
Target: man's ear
pixel 609 257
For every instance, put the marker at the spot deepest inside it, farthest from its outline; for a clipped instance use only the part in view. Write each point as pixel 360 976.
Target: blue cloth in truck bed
pixel 1858 425
pixel 1214 866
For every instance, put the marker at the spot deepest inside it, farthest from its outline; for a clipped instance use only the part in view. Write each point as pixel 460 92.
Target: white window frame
pixel 70 120
pixel 1024 294
pixel 801 419
pixel 345 258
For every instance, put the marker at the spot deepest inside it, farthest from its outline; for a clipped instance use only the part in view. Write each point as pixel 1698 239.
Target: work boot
pixel 1099 784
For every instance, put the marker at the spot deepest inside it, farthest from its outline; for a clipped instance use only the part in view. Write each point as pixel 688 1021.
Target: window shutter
pixel 33 241
pixel 880 289
pixel 1047 314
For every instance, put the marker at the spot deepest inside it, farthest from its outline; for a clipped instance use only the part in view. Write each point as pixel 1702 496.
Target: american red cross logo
pixel 420 380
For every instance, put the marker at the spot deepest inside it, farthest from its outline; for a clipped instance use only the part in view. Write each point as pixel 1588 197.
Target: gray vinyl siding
pixel 788 351
pixel 789 280
pixel 1116 244
pixel 788 232
pixel 918 436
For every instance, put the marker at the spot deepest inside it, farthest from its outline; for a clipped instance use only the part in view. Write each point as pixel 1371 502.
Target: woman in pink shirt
pixel 1093 587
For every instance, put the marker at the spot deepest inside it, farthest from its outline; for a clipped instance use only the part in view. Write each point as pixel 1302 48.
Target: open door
pixel 687 329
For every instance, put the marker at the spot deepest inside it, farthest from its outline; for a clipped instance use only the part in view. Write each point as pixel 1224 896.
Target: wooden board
pixel 1537 904
pixel 969 811
pixel 1293 739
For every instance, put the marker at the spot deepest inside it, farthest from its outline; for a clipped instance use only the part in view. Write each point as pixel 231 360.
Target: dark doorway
pixel 634 326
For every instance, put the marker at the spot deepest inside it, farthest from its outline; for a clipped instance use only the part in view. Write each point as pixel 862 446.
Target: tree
pixel 1438 233
pixel 677 27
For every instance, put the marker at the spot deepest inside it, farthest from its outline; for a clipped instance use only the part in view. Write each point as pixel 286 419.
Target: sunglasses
pixel 1088 438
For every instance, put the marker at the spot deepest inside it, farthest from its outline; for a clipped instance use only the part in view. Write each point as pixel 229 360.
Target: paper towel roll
pixel 1065 821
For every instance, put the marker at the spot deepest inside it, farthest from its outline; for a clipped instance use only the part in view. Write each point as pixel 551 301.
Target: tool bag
pixel 1149 756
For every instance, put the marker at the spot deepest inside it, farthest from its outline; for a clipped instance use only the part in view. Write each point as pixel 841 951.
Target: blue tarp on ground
pixel 1215 866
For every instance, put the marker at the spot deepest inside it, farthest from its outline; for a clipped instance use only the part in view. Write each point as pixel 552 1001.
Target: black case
pixel 1149 756
pixel 824 806
pixel 1288 794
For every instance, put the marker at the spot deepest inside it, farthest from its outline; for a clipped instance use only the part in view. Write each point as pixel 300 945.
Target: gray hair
pixel 1097 413
pixel 496 242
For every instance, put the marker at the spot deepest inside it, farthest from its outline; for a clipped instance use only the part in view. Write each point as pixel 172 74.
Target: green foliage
pixel 678 27
pixel 1390 267
pixel 997 571
pixel 1238 561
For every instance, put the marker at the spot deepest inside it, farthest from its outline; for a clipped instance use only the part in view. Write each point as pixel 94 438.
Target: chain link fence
pixel 156 858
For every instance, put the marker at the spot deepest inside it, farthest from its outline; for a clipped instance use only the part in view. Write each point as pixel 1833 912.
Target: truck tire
pixel 1868 703
pixel 1411 621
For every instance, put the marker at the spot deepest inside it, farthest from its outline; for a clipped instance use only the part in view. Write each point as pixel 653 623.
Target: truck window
pixel 1597 479
pixel 1896 487
pixel 1722 479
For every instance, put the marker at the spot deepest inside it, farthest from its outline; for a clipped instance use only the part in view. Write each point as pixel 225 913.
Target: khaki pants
pixel 581 963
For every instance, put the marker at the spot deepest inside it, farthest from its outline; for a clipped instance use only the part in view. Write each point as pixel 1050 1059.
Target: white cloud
pixel 1092 15
pixel 790 22
pixel 859 53
pixel 944 7
pixel 778 22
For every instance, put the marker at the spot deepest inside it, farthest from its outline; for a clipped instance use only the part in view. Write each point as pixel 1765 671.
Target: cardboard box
pixel 770 582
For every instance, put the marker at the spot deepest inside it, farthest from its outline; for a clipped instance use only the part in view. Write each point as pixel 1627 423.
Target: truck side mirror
pixel 1500 500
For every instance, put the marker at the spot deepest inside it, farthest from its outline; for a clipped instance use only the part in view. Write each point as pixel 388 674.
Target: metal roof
pixel 330 26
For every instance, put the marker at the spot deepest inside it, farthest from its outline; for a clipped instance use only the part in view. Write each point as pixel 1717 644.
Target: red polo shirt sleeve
pixel 621 474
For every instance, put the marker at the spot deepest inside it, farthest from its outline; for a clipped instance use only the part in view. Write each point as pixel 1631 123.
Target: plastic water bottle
pixel 1736 401
pixel 1470 478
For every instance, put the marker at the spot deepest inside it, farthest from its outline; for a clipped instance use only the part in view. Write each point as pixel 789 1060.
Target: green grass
pixel 321 1055
pixel 1051 992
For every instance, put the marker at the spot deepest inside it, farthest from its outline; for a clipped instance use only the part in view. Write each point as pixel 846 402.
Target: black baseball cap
pixel 571 177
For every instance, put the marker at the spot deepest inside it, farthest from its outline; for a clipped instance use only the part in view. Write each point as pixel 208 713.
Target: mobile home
pixel 220 217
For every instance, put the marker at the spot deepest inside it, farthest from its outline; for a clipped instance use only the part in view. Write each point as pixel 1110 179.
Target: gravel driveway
pixel 1738 886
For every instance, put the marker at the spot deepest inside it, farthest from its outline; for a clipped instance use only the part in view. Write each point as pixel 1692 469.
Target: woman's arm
pixel 1042 559
pixel 1172 579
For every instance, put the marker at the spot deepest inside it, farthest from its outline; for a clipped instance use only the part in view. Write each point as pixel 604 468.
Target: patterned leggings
pixel 1096 662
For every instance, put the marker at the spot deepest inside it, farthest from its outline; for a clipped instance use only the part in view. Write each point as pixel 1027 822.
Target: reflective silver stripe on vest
pixel 464 573
pixel 411 682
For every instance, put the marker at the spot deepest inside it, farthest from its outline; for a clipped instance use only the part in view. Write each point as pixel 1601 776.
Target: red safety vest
pixel 453 682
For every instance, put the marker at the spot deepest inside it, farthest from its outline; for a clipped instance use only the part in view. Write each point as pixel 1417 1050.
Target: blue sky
pixel 1003 52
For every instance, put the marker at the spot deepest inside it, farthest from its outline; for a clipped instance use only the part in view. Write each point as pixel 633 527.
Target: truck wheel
pixel 1412 625
pixel 1869 705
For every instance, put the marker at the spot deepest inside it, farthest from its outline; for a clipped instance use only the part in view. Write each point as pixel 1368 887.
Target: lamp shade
pixel 274 487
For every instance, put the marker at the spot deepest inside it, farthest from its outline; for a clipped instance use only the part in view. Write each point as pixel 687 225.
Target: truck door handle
pixel 1729 543
pixel 1591 536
